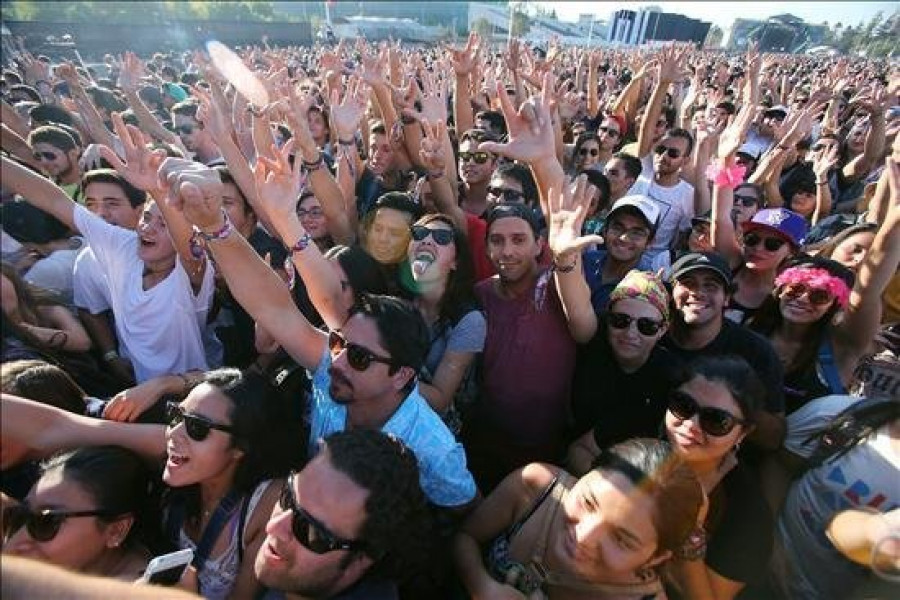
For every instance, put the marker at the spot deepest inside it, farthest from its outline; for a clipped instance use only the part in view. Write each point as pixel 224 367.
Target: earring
pixel 737 447
pixel 645 573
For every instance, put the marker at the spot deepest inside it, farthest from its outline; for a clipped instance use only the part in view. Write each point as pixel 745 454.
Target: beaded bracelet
pixel 299 246
pixel 564 269
pixel 199 238
pixel 316 164
pixel 694 547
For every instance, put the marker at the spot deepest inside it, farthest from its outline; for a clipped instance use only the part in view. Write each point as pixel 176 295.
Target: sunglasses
pixel 358 357
pixel 645 325
pixel 746 201
pixel 772 244
pixel 714 421
pixel 197 427
pixel 42 525
pixel 442 237
pixel 586 151
pixel 816 296
pixel 672 152
pixel 184 129
pixel 44 155
pixel 507 194
pixel 609 131
pixel 479 157
pixel 312 534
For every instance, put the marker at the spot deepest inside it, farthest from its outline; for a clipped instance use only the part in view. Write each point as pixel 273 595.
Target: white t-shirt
pixel 676 209
pixel 91 288
pixel 159 328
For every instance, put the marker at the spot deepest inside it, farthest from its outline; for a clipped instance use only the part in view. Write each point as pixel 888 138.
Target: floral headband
pixel 818 279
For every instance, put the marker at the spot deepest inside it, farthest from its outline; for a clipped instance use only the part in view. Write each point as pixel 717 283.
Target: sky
pixel 723 14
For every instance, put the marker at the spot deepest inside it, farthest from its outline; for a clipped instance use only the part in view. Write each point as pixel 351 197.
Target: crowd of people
pixel 391 321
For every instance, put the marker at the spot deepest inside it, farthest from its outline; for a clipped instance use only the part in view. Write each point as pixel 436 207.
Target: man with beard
pixel 57 152
pixel 529 354
pixel 352 524
pixel 364 370
pixel 193 135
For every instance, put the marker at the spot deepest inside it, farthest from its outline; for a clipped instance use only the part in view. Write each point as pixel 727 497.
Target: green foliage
pixel 140 12
pixel 876 38
pixel 714 37
pixel 520 23
pixel 482 27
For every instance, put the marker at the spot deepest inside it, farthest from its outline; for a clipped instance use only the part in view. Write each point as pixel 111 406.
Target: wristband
pixel 694 547
pixel 316 164
pixel 301 245
pixel 564 269
pixel 821 183
pixel 199 238
pixel 408 120
pixel 110 355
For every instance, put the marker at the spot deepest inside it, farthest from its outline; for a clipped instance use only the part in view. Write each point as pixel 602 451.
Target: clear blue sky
pixel 723 14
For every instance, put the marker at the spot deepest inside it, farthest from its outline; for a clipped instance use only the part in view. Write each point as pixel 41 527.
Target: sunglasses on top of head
pixel 772 244
pixel 42 525
pixel 672 152
pixel 441 237
pixel 196 426
pixel 817 296
pixel 479 157
pixel 714 421
pixel 507 194
pixel 310 533
pixel 645 325
pixel 358 357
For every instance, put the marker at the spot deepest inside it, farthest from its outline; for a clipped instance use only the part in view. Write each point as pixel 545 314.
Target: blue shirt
pixel 442 461
pixel 593 261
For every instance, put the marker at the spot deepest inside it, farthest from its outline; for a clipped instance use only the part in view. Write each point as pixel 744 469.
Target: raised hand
pixel 434 99
pixel 131 73
pixel 66 71
pixel 195 190
pixel 463 60
pixel 278 184
pixel 531 136
pixel 213 112
pixel 432 146
pixel 735 133
pixel 128 405
pixel 346 112
pixel 141 165
pixel 568 206
pixel 299 121
pixel 824 161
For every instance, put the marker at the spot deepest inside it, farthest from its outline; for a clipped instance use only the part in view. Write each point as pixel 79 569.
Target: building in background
pixel 637 27
pixel 780 33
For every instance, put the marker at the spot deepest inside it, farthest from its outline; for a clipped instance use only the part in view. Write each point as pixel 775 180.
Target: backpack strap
pixel 245 508
pixel 224 512
pixel 827 368
pixel 850 427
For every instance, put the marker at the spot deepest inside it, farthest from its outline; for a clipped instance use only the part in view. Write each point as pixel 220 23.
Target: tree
pixel 520 23
pixel 482 27
pixel 714 37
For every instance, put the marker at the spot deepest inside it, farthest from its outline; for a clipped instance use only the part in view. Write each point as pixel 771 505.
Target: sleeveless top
pixel 534 575
pixel 820 379
pixel 219 573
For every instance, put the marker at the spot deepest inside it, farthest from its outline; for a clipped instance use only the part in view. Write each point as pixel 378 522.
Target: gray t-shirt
pixel 867 477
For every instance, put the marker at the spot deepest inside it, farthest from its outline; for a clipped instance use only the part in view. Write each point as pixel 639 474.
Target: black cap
pixel 695 261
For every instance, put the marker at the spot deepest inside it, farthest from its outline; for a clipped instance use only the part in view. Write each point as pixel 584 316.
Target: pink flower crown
pixel 818 279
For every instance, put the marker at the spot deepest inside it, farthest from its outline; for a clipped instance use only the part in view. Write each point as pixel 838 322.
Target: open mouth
pixel 177 460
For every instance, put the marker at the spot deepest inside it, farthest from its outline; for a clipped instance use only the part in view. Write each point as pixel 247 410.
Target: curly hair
pixel 399 527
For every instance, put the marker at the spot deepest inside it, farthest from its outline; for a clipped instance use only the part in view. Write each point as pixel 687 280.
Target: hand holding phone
pixel 167 569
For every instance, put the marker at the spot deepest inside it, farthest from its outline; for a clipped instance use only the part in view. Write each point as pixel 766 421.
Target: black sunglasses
pixel 672 152
pixel 609 131
pixel 714 421
pixel 184 129
pixel 772 244
pixel 38 155
pixel 441 237
pixel 479 157
pixel 42 525
pixel 645 325
pixel 312 534
pixel 746 201
pixel 196 426
pixel 508 195
pixel 358 357
pixel 586 151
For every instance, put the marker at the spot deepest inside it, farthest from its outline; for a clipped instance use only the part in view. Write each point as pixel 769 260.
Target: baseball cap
pixel 782 222
pixel 644 205
pixel 775 110
pixel 695 261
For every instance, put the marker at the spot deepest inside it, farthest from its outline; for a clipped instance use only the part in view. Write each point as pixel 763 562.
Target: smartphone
pixel 168 568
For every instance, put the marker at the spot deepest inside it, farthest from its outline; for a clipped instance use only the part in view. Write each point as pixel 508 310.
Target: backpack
pixel 850 427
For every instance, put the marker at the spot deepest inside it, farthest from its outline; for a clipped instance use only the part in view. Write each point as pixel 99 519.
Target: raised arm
pixel 874 104
pixel 129 79
pixel 39 192
pixel 722 231
pixel 91 117
pixel 435 148
pixel 858 328
pixel 250 280
pixel 823 163
pixel 670 68
pixel 46 429
pixel 568 209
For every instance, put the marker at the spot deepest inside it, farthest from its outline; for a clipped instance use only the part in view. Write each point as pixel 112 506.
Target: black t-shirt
pixel 740 528
pixel 619 405
pixel 752 347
